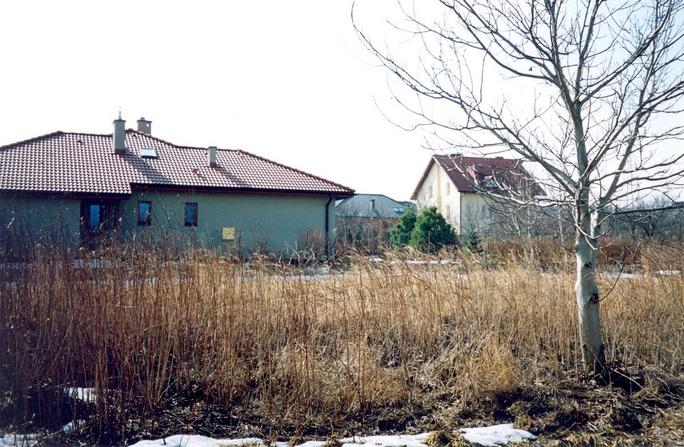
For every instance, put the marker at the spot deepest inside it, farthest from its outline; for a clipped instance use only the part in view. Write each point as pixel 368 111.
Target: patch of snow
pixel 314 277
pixel 667 272
pixel 626 275
pixel 93 263
pixel 84 394
pixel 73 425
pixel 434 262
pixel 495 435
pixel 69 427
pixel 623 275
pixel 18 440
pixel 386 441
pixel 197 441
pixel 305 444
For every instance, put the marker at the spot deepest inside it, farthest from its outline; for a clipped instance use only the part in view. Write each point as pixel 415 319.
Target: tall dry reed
pixel 146 329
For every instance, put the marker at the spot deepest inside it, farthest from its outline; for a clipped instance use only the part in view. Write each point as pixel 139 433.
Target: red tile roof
pixel 479 170
pixel 85 163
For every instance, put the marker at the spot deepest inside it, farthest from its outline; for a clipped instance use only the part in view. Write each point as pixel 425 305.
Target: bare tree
pixel 586 89
pixel 657 219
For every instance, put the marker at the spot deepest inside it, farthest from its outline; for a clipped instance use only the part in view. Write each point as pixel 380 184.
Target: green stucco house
pixel 87 188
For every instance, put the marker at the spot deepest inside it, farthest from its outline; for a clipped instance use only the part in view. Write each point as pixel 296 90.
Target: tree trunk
pixel 588 300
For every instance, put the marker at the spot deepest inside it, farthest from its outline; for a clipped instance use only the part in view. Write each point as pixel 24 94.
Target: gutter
pixel 327 225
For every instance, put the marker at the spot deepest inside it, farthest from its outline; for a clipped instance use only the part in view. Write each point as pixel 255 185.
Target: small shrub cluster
pixel 428 232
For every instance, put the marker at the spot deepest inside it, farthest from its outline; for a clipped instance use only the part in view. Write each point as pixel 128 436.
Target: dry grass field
pixel 200 344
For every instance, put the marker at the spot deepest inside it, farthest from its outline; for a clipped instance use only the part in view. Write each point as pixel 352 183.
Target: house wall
pixel 269 222
pixel 437 190
pixel 41 218
pixel 475 213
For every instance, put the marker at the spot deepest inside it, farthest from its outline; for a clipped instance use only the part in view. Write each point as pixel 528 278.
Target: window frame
pixel 185 214
pixel 147 220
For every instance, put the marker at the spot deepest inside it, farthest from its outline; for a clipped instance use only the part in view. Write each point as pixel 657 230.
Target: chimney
pixel 211 152
pixel 119 136
pixel 145 126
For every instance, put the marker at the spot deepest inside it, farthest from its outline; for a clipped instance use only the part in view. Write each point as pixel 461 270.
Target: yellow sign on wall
pixel 228 233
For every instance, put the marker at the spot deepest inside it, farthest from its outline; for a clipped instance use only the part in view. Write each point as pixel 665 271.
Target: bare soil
pixel 578 411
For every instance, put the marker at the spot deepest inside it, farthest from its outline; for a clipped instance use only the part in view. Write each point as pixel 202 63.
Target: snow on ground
pixel 73 425
pixel 304 444
pixel 386 441
pixel 32 439
pixel 85 394
pixel 18 440
pixel 433 262
pixel 623 275
pixel 197 441
pixel 667 272
pixel 635 275
pixel 494 436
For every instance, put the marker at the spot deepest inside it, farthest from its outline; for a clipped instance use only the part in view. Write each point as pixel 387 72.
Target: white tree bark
pixel 587 294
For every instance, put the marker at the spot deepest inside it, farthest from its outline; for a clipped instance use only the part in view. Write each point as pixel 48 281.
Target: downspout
pixel 327 225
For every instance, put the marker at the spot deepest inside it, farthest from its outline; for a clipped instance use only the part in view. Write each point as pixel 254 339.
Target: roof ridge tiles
pixel 178 146
pixel 294 169
pixel 34 139
pixel 88 134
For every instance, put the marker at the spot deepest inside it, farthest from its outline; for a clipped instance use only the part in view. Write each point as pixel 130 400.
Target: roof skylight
pixel 148 152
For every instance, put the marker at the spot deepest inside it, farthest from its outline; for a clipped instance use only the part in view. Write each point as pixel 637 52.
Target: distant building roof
pixel 86 163
pixel 372 205
pixel 470 174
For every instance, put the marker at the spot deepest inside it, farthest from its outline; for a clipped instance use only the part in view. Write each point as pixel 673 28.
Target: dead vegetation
pixel 198 344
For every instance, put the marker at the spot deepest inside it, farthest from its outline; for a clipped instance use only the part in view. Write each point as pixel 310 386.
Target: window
pixel 448 212
pixel 448 188
pixel 190 214
pixel 144 212
pixel 148 152
pixel 94 216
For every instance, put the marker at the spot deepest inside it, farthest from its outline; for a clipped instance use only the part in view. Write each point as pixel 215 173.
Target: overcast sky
pixel 289 81
pixel 286 80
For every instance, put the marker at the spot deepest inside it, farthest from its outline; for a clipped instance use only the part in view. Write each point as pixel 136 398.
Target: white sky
pixel 286 80
pixel 289 81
